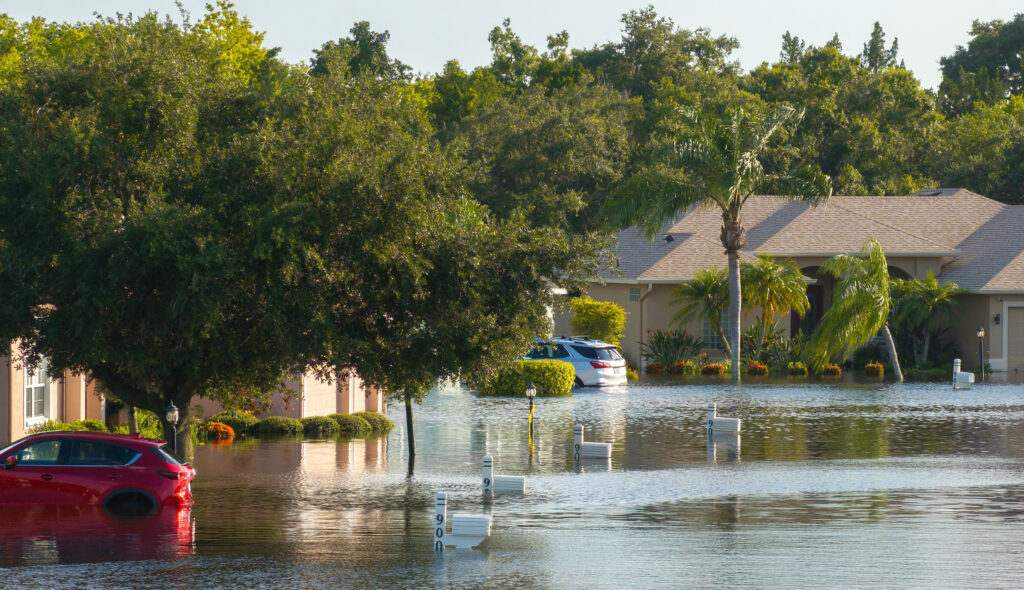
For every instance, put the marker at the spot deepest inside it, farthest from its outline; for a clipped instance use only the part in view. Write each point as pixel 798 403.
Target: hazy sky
pixel 425 34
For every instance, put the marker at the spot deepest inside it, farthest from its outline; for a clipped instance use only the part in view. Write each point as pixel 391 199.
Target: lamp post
pixel 172 419
pixel 981 351
pixel 531 392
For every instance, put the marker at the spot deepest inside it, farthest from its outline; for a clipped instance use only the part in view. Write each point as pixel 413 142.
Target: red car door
pixel 93 469
pixel 35 477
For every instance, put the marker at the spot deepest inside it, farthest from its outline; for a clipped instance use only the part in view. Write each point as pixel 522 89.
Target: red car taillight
pixel 172 474
pixel 600 365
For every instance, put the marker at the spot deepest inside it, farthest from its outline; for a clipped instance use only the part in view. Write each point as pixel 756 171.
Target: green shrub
pixel 319 426
pixel 379 423
pixel 276 426
pixel 712 369
pixel 757 369
pixel 351 425
pixel 831 371
pixel 631 374
pixel 670 347
pixel 796 369
pixel 89 425
pixel 550 377
pixel 51 425
pixel 239 421
pixel 601 320
pixel 149 425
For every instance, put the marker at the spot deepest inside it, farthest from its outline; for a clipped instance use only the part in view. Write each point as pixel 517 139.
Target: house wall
pixel 309 396
pixel 69 399
pixel 319 398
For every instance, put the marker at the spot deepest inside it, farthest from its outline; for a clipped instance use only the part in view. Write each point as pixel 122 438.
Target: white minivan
pixel 595 362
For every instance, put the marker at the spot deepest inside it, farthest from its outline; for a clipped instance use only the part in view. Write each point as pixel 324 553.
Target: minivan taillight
pixel 172 474
pixel 600 365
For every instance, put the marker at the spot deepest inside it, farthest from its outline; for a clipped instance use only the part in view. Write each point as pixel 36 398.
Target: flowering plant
pixel 874 370
pixel 219 431
pixel 831 371
pixel 712 369
pixel 757 368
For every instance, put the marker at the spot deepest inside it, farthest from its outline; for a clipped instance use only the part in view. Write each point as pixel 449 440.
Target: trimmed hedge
pixel 278 426
pixel 351 425
pixel 713 370
pixel 240 422
pixel 550 377
pixel 757 369
pixel 379 423
pixel 319 426
pixel 797 369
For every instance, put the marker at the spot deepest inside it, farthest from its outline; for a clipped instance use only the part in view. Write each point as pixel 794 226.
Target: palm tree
pixel 705 295
pixel 861 302
pixel 774 287
pixel 924 304
pixel 717 165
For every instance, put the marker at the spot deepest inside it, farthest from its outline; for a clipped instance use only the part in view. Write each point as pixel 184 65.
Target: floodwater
pixel 828 486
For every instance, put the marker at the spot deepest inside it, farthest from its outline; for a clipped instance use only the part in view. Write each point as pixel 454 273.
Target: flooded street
pixel 828 486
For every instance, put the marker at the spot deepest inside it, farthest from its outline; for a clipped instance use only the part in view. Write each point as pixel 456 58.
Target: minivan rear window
pixel 603 354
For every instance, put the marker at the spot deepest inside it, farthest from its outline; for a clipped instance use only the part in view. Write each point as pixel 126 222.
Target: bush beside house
pixel 601 320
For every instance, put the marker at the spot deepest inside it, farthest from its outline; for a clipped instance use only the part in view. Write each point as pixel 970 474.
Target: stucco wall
pixel 319 398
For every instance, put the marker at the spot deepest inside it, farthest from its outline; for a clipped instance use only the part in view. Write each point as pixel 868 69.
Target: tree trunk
pixel 133 420
pixel 927 341
pixel 891 346
pixel 408 425
pixel 734 312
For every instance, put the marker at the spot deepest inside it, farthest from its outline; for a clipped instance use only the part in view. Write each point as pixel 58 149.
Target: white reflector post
pixel 440 516
pixel 488 474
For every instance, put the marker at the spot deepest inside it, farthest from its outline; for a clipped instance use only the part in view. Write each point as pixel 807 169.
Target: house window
pixel 37 393
pixel 634 294
pixel 710 336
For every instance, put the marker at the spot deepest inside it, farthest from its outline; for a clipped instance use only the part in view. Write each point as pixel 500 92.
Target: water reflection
pixel 830 482
pixel 728 443
pixel 34 535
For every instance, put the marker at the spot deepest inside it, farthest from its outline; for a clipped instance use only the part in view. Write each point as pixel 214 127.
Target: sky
pixel 426 34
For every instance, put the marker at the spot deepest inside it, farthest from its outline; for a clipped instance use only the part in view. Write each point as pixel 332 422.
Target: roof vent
pixel 669 239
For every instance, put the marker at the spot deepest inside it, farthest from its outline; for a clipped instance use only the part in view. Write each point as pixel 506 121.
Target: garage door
pixel 1015 340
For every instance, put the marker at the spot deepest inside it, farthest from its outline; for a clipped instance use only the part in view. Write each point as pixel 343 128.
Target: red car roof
pixel 104 436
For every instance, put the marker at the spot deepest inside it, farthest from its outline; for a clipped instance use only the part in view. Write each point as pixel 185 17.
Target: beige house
pixel 956 234
pixel 29 397
pixel 306 395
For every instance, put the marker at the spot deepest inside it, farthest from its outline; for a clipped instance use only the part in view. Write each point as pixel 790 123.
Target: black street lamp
pixel 172 419
pixel 531 393
pixel 981 351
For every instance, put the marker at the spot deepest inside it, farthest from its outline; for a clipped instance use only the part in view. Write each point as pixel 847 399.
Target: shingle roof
pixel 980 241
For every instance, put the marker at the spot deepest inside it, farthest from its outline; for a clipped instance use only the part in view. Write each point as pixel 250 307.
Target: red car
pixel 116 471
